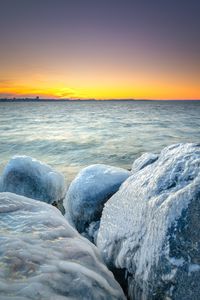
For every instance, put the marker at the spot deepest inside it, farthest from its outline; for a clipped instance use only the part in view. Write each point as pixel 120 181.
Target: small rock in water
pixel 26 176
pixel 143 161
pixel 150 228
pixel 42 257
pixel 88 193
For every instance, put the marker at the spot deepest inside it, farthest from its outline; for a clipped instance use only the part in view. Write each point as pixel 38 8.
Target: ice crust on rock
pixel 143 161
pixel 89 191
pixel 43 258
pixel 150 228
pixel 29 177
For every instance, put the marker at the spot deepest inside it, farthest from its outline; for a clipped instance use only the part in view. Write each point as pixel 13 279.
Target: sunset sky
pixel 102 49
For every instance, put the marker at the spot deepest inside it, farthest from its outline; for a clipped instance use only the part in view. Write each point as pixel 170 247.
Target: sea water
pixel 74 134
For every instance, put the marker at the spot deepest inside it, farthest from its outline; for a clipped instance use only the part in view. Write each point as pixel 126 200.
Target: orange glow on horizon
pixel 153 90
pixel 94 75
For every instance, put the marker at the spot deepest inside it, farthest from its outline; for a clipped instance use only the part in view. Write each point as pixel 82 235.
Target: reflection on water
pixel 72 135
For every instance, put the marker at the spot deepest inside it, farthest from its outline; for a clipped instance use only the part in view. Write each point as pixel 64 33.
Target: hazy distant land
pixel 80 100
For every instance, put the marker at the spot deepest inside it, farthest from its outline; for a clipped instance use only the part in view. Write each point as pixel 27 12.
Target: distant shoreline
pixel 94 100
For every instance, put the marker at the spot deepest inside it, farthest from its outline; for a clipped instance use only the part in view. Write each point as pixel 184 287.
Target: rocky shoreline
pixel 140 225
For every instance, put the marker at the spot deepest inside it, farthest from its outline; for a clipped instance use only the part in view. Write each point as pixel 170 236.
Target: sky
pixel 100 49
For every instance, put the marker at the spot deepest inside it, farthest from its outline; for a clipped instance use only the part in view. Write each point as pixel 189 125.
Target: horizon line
pixel 37 99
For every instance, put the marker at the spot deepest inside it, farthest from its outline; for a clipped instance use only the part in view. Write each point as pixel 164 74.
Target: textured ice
pixel 26 176
pixel 43 258
pixel 150 228
pixel 143 161
pixel 194 268
pixel 88 192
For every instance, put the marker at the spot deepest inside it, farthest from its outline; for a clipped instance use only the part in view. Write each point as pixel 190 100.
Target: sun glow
pixel 130 88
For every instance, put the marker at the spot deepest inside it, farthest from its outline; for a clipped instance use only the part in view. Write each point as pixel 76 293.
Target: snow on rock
pixel 43 258
pixel 26 176
pixel 88 193
pixel 150 228
pixel 143 161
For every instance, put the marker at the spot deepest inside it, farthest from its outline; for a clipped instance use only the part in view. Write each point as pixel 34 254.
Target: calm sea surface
pixel 71 135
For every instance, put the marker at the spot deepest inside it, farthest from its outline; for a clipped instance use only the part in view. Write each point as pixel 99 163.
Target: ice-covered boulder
pixel 29 177
pixel 0 184
pixel 143 161
pixel 88 192
pixel 150 229
pixel 43 258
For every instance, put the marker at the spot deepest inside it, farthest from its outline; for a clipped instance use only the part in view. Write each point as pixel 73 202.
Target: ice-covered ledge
pixel 42 257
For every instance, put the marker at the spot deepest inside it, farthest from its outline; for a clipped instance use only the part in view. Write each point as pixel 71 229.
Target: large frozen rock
pixel 43 258
pixel 88 193
pixel 150 229
pixel 26 176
